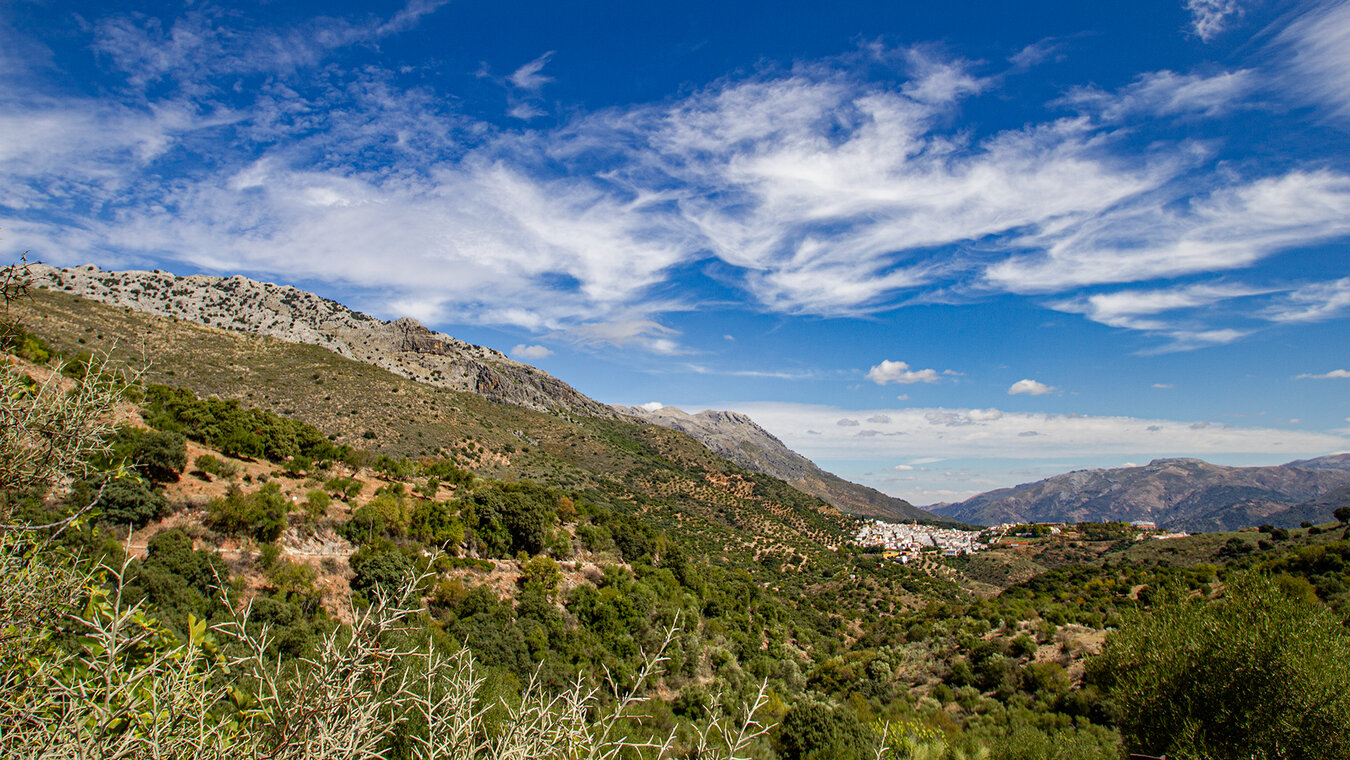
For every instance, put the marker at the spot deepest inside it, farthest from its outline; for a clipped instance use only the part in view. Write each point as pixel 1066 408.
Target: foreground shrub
pixel 1256 674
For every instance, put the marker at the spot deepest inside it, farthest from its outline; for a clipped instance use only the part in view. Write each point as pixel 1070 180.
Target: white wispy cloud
pixel 1316 52
pixel 1166 93
pixel 899 372
pixel 814 188
pixel 1124 308
pixel 1313 303
pixel 1209 18
pixel 1029 387
pixel 530 76
pixel 1149 239
pixel 1335 374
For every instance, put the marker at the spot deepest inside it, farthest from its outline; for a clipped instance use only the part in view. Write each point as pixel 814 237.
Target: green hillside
pixel 284 480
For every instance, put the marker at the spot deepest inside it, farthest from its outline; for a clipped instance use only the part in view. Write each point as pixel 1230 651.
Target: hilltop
pixel 1182 494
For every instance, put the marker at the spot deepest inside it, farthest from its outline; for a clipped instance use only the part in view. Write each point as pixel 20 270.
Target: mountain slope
pixel 410 350
pixel 737 438
pixel 667 477
pixel 1188 494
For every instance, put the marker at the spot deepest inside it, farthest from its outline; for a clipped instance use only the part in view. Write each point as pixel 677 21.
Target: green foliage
pixel 124 501
pixel 446 472
pixel 344 488
pixel 513 517
pixel 1253 674
pixel 814 731
pixel 235 430
pixel 541 572
pixel 260 515
pixel 317 503
pixel 382 570
pixel 436 524
pixel 178 580
pixel 158 455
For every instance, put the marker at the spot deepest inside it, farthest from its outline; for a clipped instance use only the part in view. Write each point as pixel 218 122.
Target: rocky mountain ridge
pixel 1177 493
pixel 402 346
pixel 736 437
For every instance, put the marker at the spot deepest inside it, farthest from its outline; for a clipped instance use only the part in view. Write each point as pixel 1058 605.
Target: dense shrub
pixel 813 731
pixel 235 430
pixel 514 517
pixel 1255 673
pixel 435 523
pixel 385 570
pixel 261 514
pixel 127 501
pixel 158 455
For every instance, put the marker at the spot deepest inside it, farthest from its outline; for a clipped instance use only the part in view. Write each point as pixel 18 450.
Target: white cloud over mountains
pixel 931 435
pixel 814 189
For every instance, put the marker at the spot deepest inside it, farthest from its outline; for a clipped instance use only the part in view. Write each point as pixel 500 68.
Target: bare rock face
pixel 736 437
pixel 404 346
pixel 1187 494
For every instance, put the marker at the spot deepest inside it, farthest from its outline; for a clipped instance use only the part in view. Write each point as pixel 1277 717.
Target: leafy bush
pixel 317 503
pixel 344 488
pixel 261 514
pixel 514 517
pixel 434 523
pixel 384 570
pixel 228 426
pixel 127 501
pixel 158 455
pixel 1255 673
pixel 813 731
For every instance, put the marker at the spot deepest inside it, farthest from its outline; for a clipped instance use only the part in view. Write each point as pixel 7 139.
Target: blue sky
pixel 938 248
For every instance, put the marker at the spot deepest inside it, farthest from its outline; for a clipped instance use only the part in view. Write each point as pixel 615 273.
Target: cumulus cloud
pixel 1029 387
pixel 1335 374
pixel 652 406
pixel 879 419
pixel 847 422
pixel 899 372
pixel 531 352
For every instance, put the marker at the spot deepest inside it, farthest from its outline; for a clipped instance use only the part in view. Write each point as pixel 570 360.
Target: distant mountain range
pixel 1182 494
pixel 407 348
pixel 736 437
